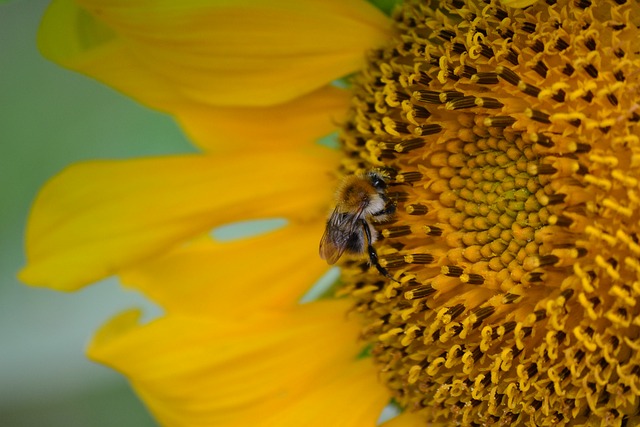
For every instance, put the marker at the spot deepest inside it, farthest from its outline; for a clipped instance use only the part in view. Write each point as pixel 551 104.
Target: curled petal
pixel 269 368
pixel 257 272
pixel 170 54
pixel 291 124
pixel 97 218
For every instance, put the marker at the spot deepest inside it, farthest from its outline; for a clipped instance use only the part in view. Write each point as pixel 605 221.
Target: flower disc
pixel 512 139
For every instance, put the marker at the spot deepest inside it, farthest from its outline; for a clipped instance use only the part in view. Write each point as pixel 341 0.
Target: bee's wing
pixel 342 231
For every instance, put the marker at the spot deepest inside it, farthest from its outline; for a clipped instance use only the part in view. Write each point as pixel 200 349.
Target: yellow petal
pixel 71 37
pixel 97 218
pixel 232 52
pixel 352 399
pixel 291 124
pixel 205 372
pixel 269 271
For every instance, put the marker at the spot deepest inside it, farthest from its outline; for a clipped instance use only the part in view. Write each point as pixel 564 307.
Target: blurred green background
pixel 49 118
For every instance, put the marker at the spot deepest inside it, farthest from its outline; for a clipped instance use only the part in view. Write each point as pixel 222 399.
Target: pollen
pixel 512 140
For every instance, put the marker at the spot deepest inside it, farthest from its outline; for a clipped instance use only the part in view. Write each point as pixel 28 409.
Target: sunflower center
pixel 511 137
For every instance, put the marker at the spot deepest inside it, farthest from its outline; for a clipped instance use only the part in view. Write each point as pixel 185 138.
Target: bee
pixel 361 199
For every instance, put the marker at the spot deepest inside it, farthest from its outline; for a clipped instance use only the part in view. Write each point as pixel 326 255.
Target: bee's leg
pixel 373 255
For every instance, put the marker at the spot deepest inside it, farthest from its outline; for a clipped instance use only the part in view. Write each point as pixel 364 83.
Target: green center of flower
pixel 512 140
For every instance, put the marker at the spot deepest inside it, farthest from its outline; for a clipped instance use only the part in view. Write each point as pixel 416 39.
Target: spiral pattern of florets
pixel 512 138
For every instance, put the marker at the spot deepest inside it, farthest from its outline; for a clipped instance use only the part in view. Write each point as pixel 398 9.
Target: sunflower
pixel 508 132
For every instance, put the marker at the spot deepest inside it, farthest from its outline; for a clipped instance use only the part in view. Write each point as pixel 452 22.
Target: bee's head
pixel 378 179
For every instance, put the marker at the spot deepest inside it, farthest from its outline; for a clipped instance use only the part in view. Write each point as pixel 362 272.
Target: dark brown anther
pixel 417 209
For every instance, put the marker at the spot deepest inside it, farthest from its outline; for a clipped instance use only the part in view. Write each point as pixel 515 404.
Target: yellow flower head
pixel 507 230
pixel 513 138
